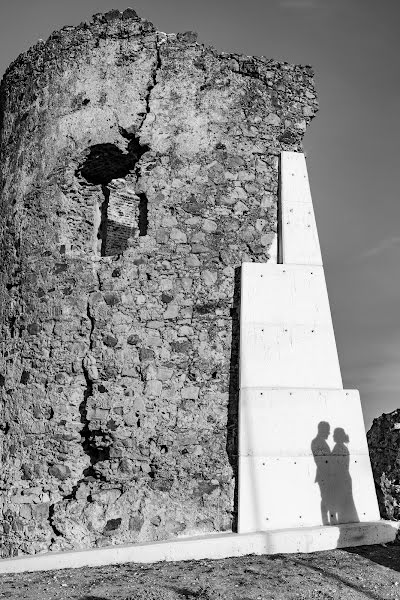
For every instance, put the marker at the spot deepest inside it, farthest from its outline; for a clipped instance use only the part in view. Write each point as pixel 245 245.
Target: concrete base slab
pixel 221 545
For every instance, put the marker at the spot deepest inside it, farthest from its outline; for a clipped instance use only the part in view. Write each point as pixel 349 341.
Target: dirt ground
pixel 371 572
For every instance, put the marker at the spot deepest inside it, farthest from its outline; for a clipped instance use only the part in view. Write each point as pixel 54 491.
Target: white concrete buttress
pixel 303 455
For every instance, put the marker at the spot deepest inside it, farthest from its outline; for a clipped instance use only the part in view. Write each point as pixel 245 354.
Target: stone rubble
pixel 384 449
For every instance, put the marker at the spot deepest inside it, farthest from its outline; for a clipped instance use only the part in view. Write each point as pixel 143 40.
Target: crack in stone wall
pixel 103 164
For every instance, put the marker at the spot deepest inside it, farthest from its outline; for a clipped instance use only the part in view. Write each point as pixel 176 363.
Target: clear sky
pixel 352 147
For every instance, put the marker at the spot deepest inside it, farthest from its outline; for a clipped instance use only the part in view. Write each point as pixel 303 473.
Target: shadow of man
pixel 322 452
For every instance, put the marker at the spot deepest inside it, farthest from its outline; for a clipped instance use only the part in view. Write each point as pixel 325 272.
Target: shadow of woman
pixel 333 476
pixel 342 505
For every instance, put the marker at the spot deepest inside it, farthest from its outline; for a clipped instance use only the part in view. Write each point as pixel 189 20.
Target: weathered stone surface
pixel 138 170
pixel 384 449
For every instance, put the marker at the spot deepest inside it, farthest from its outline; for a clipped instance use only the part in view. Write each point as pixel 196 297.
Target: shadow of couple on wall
pixel 333 476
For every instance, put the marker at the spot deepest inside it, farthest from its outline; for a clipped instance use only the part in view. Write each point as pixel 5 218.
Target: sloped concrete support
pixel 286 336
pixel 299 234
pixel 303 455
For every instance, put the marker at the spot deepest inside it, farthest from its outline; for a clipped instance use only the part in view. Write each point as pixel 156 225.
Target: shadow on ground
pixel 93 598
pixel 388 556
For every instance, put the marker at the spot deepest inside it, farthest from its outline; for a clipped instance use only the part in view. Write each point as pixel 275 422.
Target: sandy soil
pixel 371 572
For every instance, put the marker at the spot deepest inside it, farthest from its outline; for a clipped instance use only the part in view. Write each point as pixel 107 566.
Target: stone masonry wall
pixel 384 449
pixel 138 171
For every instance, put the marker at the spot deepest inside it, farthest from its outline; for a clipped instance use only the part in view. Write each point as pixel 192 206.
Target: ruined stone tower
pixel 138 171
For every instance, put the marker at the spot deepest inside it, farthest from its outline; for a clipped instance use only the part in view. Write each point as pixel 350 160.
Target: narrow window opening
pixel 143 221
pixel 102 232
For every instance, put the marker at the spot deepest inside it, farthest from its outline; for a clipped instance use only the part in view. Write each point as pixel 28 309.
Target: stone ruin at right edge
pixel 139 216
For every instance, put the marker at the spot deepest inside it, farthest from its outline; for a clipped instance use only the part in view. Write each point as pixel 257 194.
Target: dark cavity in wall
pixel 104 163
